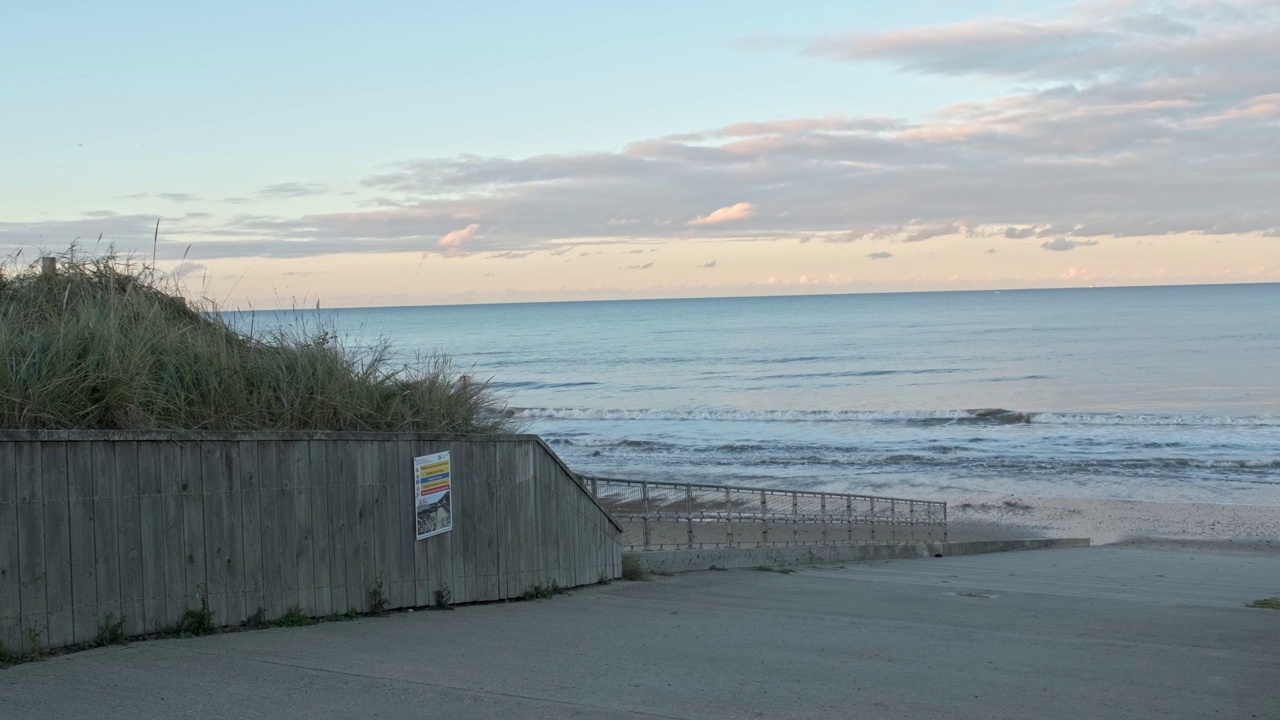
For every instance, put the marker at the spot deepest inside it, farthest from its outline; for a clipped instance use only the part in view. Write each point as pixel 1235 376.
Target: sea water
pixel 1158 393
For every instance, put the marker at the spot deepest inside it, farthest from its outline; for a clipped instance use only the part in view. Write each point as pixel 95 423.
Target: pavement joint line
pixel 472 691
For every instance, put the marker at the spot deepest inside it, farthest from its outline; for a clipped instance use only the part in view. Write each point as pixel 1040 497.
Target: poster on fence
pixel 432 498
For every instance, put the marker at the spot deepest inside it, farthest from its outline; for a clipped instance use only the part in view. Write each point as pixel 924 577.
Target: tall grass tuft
pixel 109 343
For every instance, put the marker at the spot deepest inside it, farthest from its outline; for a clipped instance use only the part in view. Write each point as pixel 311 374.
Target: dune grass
pixel 109 343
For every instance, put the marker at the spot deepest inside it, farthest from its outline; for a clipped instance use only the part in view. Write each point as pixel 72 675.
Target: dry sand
pixel 1164 526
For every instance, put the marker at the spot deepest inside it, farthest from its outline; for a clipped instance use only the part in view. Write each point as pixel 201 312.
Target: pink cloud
pixel 457 237
pixel 726 214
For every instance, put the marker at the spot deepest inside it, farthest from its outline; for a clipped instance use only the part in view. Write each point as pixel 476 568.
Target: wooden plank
pixel 10 579
pixel 151 471
pixel 129 536
pixel 59 601
pixel 318 452
pixel 464 525
pixel 421 573
pixel 32 599
pixel 105 535
pixel 269 469
pixel 337 528
pixel 286 524
pixel 303 483
pixel 353 477
pixel 80 509
pixel 175 560
pixel 366 511
pixel 491 474
pixel 195 570
pixel 216 487
pixel 434 555
pixel 386 523
pixel 237 607
pixel 249 500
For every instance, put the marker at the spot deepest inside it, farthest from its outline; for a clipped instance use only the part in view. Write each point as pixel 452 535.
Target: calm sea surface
pixel 1166 393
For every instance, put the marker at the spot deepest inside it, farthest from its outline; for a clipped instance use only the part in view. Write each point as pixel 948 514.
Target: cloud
pixel 292 190
pixel 455 238
pixel 992 251
pixel 177 197
pixel 1019 233
pixel 708 264
pixel 645 266
pixel 879 255
pixel 740 211
pixel 1062 244
pixel 186 268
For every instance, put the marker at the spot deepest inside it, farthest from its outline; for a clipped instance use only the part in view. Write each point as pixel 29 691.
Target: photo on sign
pixel 433 496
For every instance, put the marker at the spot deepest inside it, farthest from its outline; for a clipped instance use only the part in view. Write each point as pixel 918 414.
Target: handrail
pixel 659 514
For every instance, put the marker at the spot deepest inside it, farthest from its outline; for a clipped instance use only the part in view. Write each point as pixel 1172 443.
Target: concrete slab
pixel 789 556
pixel 1083 633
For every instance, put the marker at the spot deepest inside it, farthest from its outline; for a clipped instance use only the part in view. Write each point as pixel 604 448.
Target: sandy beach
pixel 1155 525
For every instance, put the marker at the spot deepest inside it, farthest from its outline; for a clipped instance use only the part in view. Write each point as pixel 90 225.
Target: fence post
pixel 893 520
pixel 728 518
pixel 944 523
pixel 48 265
pixel 595 487
pixel 688 508
pixel 644 494
pixel 823 498
pixel 848 517
pixel 873 519
pixel 795 518
pixel 764 518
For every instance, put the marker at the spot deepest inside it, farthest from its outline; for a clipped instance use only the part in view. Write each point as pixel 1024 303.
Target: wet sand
pixel 1199 527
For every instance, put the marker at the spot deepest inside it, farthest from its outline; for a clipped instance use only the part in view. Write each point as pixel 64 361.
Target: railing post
pixel 644 493
pixel 911 519
pixel 795 518
pixel 764 518
pixel 945 528
pixel 595 487
pixel 688 509
pixel 893 520
pixel 728 518
pixel 873 519
pixel 823 498
pixel 848 518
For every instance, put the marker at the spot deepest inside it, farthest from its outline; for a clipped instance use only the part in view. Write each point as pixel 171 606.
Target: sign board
pixel 432 496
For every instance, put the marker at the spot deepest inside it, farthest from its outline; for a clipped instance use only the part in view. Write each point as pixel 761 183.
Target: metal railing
pixel 667 515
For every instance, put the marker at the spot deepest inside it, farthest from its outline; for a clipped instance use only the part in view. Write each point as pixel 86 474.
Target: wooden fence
pixel 145 526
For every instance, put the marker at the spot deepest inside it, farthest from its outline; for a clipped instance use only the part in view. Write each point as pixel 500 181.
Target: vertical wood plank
pixel 172 482
pixel 195 571
pixel 105 535
pixel 151 471
pixel 337 528
pixel 32 597
pixel 249 502
pixel 358 566
pixel 303 484
pixel 80 504
pixel 230 457
pixel 10 578
pixel 434 555
pixel 269 469
pixel 216 486
pixel 286 524
pixel 386 522
pixel 57 544
pixel 419 557
pixel 318 452
pixel 129 535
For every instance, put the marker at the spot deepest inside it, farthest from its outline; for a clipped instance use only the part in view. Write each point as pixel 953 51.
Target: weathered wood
pixel 304 596
pixel 144 528
pixel 32 605
pixel 57 543
pixel 195 571
pixel 249 502
pixel 10 580
pixel 129 536
pixel 321 476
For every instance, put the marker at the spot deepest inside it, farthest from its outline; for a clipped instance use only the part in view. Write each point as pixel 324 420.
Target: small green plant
pixel 633 569
pixel 8 657
pixel 377 600
pixel 111 631
pixel 294 617
pixel 195 623
pixel 351 614
pixel 443 598
pixel 1271 603
pixel 604 580
pixel 768 568
pixel 542 592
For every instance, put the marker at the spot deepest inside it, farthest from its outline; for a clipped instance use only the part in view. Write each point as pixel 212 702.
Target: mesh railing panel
pixel 664 515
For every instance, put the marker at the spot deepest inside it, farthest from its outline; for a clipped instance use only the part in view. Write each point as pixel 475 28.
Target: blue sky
pixel 289 137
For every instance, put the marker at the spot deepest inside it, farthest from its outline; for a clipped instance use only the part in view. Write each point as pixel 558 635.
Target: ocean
pixel 1157 393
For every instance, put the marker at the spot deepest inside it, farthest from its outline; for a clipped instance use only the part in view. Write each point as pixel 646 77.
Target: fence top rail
pixel 769 491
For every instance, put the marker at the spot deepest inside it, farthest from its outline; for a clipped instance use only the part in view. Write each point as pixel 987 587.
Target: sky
pixel 394 153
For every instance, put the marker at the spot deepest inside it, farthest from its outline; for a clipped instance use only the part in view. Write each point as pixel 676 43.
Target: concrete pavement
pixel 1097 632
